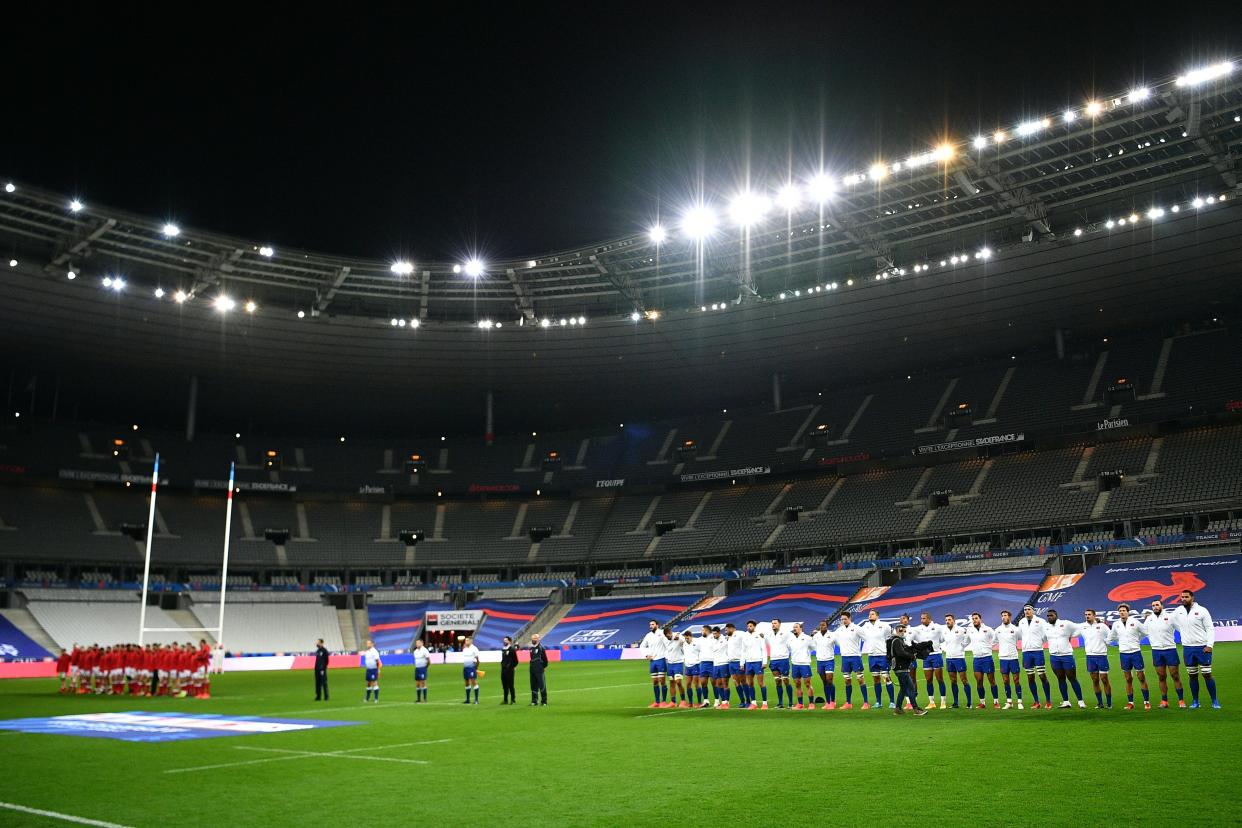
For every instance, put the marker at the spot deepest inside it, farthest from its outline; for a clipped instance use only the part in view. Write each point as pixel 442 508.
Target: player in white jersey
pixel 372 664
pixel 825 652
pixel 1095 637
pixel 422 659
pixel 720 669
pixel 849 640
pixel 876 634
pixel 737 663
pixel 954 648
pixel 690 650
pixel 778 661
pixel 707 653
pixel 1061 653
pixel 1033 632
pixel 470 661
pixel 1195 624
pixel 982 638
pixel 800 667
pixel 1161 635
pixel 933 663
pixel 1007 654
pixel 1128 632
pixel 675 660
pixel 756 654
pixel 654 648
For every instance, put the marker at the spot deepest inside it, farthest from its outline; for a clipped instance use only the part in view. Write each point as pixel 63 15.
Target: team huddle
pixel 687 668
pixel 151 670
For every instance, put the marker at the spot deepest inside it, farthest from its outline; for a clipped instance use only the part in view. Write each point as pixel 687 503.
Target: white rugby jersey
pixel 1033 632
pixel 1006 642
pixel 371 658
pixel 849 639
pixel 422 657
pixel 955 640
pixel 875 637
pixel 737 645
pixel 654 645
pixel 1195 626
pixel 981 639
pixel 674 649
pixel 1128 634
pixel 755 649
pixel 1059 635
pixel 720 655
pixel 1160 629
pixel 824 644
pixel 469 656
pixel 707 649
pixel 800 649
pixel 932 632
pixel 1095 638
pixel 778 643
pixel 690 649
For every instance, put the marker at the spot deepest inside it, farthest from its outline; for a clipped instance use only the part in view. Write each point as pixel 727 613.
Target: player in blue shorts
pixel 1007 654
pixel 954 649
pixel 422 659
pixel 849 641
pixel 982 639
pixel 654 648
pixel 371 664
pixel 1095 638
pixel 754 655
pixel 1195 624
pixel 1128 632
pixel 1161 631
pixel 1033 632
pixel 470 668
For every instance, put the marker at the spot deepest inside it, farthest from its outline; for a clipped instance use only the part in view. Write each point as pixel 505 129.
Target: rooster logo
pixel 1139 590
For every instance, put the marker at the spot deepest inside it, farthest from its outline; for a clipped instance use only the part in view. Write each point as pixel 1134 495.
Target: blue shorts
pixel 470 673
pixel 956 665
pixel 1097 663
pixel 851 664
pixel 1010 666
pixel 658 666
pixel 984 664
pixel 1064 662
pixel 877 664
pixel 779 666
pixel 1132 661
pixel 934 661
pixel 720 671
pixel 736 668
pixel 692 670
pixel 373 674
pixel 1033 659
pixel 754 668
pixel 420 673
pixel 1196 657
pixel 1164 658
pixel 676 669
pixel 801 671
pixel 825 666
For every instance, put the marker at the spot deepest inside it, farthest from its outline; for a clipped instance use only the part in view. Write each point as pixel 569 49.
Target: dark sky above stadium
pixel 522 128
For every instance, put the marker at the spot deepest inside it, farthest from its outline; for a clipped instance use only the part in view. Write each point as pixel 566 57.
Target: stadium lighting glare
pixel 1175 208
pixel 301 314
pixel 698 222
pixel 985 253
pixel 414 323
pixel 980 142
pixel 266 252
pixel 782 296
pixel 10 187
pixel 474 268
pixel 118 284
pixel 545 323
pixel 943 152
pixel 12 262
pixel 76 206
pixel 1139 93
pixel 402 268
pixel 485 324
pixel 71 275
pixel 748 208
pixel 1069 116
pixel 393 322
pixel 998 136
pixel 819 188
pixel 1093 108
pixel 224 303
pixel 456 268
pixel 1077 231
pixel 1211 199
pixel 1197 203
pixel 159 293
pixel 1133 217
pixel 573 320
pixel 1030 127
pixel 877 171
pixel 1110 224
pixel 251 306
pixel 563 323
pixel 1205 74
pixel 1155 213
pixel 400 323
pixel 657 234
pixel 635 316
pixel 789 197
pixel 180 296
pixel 170 230
pixel 849 282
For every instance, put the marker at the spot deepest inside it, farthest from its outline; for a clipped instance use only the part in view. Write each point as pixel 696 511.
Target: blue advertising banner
pixel 393 627
pixel 614 622
pixel 139 726
pixel 986 593
pixel 1216 582
pixel 14 644
pixel 501 618
pixel 806 603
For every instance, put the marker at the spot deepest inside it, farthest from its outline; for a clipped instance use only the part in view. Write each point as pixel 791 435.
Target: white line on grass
pixel 302 754
pixel 64 817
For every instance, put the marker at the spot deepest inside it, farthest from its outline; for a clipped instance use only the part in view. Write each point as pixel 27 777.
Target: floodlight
pixel 1205 74
pixel 171 230
pixel 819 188
pixel 224 303
pixel 698 222
pixel 748 208
pixel 474 268
pixel 76 206
pixel 266 252
pixel 789 196
pixel 657 234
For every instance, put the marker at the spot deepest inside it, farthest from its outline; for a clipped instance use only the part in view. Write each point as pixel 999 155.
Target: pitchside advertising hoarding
pixel 1216 582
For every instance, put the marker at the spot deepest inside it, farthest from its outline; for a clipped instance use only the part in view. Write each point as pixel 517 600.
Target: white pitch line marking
pixel 302 754
pixel 63 817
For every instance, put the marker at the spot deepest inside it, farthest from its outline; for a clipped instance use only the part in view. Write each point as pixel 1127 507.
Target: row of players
pixel 151 670
pixel 685 667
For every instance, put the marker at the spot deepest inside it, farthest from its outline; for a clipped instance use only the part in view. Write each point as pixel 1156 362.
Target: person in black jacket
pixel 321 670
pixel 508 664
pixel 538 663
pixel 902 657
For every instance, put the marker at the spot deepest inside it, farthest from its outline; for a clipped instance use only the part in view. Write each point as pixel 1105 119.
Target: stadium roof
pixel 1116 213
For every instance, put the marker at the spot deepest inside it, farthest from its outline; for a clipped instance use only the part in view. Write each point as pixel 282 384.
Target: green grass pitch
pixel 597 756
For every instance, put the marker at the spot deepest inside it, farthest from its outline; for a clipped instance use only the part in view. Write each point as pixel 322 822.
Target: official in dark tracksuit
pixel 508 665
pixel 321 670
pixel 538 664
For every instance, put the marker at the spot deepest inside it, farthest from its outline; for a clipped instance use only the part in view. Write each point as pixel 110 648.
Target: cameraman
pixel 902 658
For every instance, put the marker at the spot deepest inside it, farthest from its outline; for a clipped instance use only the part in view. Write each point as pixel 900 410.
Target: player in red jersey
pixel 202 663
pixel 62 669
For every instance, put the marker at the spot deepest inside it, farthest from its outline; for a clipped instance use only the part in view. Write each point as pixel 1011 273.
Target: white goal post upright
pixel 146 565
pixel 224 575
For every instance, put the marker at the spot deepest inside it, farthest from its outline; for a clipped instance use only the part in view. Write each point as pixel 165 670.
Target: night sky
pixel 522 128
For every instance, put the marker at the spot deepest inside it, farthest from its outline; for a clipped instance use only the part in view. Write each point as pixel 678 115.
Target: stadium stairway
pixel 349 636
pixel 32 629
pixel 187 619
pixel 542 623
